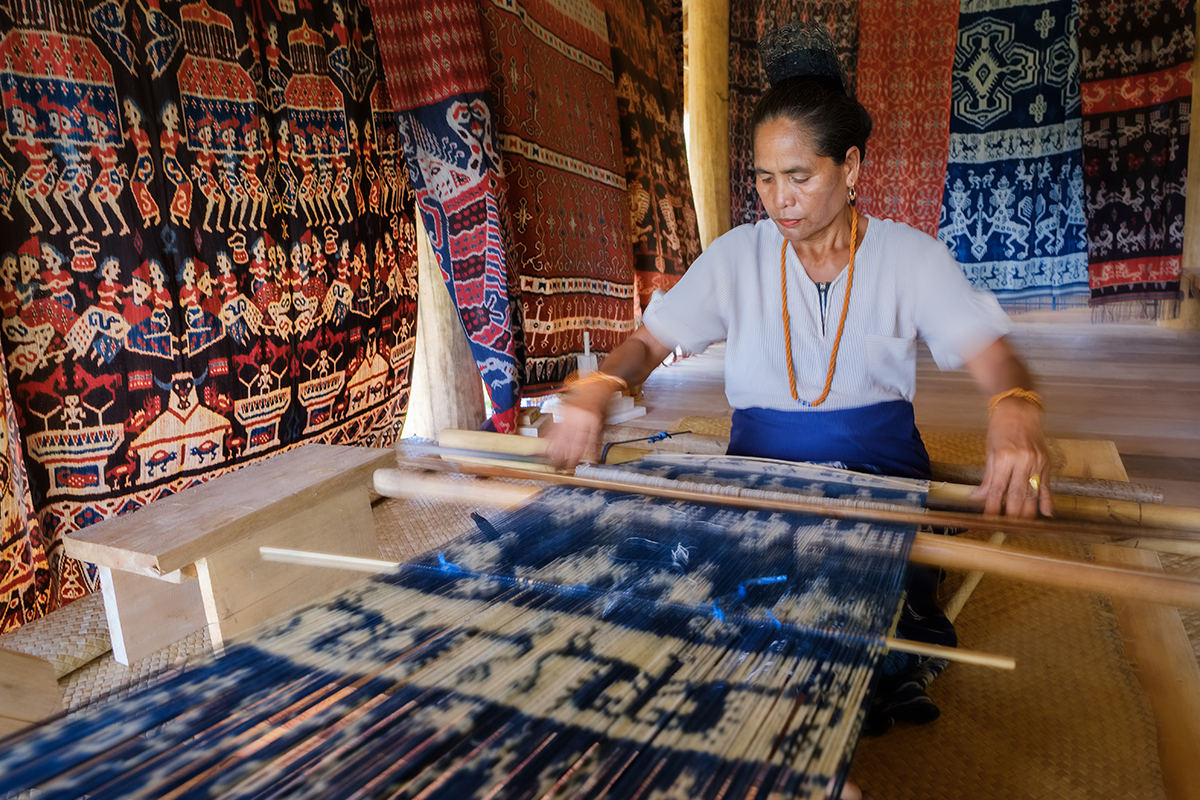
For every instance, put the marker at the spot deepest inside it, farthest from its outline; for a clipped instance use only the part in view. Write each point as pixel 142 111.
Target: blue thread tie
pixel 760 582
pixel 448 566
pixel 717 612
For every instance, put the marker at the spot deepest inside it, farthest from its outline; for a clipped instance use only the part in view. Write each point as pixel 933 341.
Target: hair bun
pixel 800 49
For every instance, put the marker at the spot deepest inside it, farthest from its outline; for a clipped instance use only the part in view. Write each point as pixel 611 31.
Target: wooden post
pixel 708 114
pixel 447 391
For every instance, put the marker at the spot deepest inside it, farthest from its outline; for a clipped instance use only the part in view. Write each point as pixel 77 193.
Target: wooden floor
pixel 1137 385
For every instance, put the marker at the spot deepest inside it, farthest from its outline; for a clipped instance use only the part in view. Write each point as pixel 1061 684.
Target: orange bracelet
pixel 1028 395
pixel 598 377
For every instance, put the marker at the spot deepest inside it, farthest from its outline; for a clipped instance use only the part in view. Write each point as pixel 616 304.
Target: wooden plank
pixel 239 590
pixel 175 532
pixel 29 691
pixel 1157 645
pixel 146 614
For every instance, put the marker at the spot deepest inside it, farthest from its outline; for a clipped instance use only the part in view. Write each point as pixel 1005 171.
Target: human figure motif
pixel 387 164
pixel 324 185
pixel 231 179
pixel 256 196
pixel 341 179
pixel 203 328
pixel 76 173
pixel 357 174
pixel 274 201
pixel 275 76
pixel 168 140
pixel 367 157
pixel 57 280
pixel 206 181
pixel 151 334
pixel 143 167
pixel 240 316
pixel 339 296
pixel 283 161
pixel 108 326
pixel 72 412
pixel 308 178
pixel 110 178
pixel 259 268
pixel 36 183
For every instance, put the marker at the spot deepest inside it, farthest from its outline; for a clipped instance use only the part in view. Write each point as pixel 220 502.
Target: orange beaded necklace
pixel 787 324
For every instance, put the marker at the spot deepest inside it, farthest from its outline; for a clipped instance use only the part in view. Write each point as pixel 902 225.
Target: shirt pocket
pixel 892 365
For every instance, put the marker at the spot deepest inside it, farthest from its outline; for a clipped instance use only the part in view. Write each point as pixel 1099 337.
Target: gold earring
pixel 853 195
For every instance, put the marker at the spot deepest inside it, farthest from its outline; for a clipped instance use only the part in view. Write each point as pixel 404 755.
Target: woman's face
pixel 802 192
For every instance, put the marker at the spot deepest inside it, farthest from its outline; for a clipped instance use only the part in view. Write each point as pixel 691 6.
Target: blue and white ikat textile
pixel 1012 211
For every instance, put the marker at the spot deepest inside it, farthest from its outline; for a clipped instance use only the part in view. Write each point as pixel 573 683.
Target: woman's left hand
pixel 1016 479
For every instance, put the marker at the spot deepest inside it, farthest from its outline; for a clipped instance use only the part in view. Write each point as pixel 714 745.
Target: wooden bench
pixel 191 560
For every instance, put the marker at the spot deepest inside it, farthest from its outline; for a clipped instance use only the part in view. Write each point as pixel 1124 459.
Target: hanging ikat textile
pixel 906 51
pixel 665 232
pixel 210 253
pixel 748 21
pixel 433 56
pixel 1012 212
pixel 1137 90
pixel 552 76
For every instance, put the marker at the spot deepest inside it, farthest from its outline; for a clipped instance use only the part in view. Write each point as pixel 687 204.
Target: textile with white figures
pixel 552 78
pixel 210 253
pixel 904 67
pixel 1137 90
pixel 437 70
pixel 665 233
pixel 1012 212
pixel 748 21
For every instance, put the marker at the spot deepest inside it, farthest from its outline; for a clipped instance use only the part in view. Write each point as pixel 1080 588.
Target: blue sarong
pixel 880 438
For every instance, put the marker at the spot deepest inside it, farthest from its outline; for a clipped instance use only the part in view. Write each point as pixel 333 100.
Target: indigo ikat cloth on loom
pixel 589 644
pixel 1012 211
pixel 1137 96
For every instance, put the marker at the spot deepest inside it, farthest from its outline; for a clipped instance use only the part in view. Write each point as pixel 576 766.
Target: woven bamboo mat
pixel 1071 721
pixel 68 637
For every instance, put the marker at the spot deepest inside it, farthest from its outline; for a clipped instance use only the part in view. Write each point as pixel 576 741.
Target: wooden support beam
pixel 708 115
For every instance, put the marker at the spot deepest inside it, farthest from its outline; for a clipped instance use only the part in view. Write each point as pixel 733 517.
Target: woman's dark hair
pixel 820 105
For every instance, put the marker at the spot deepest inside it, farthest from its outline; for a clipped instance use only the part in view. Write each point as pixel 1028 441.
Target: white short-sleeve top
pixel 907 286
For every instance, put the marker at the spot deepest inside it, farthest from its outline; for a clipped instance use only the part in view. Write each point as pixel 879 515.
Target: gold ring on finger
pixel 1035 481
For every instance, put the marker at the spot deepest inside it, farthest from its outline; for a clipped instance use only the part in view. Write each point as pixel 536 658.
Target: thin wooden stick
pixel 379 566
pixel 950 653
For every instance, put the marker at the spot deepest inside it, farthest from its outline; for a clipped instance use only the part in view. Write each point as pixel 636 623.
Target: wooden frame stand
pixel 191 560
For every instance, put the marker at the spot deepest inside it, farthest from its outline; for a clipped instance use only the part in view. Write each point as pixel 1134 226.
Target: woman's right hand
pixel 576 435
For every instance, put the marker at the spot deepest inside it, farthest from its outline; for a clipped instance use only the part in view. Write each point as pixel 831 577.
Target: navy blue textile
pixel 880 438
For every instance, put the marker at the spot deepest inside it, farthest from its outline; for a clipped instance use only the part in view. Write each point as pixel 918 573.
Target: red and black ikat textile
pixel 208 256
pixel 557 124
pixel 1137 91
pixel 648 74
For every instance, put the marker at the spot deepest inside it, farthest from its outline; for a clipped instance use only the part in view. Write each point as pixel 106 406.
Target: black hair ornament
pixel 800 49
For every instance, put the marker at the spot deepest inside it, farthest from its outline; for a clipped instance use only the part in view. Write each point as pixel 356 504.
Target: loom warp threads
pixel 589 644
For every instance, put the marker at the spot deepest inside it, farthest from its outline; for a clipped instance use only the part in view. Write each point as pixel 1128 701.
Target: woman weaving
pixel 821 308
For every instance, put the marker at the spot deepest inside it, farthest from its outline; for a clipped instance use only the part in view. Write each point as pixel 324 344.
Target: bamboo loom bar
pixel 380 567
pixel 928 548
